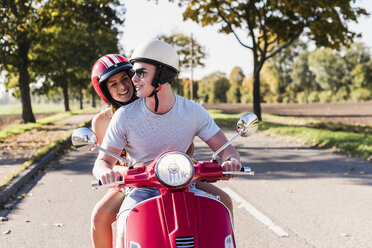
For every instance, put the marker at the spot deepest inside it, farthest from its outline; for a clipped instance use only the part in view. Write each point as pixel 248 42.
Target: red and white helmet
pixel 103 69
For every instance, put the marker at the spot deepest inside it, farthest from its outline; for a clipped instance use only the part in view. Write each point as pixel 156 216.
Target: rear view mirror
pixel 82 137
pixel 247 124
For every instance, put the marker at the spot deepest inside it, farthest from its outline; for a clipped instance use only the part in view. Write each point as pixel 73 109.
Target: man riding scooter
pixel 158 121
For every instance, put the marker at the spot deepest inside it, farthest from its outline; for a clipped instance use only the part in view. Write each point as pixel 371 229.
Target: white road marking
pixel 256 213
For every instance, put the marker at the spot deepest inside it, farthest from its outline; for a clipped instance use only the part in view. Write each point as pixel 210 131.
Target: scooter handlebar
pixel 244 171
pixel 96 184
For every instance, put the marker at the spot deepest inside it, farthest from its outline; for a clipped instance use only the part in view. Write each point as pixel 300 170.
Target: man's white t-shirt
pixel 145 135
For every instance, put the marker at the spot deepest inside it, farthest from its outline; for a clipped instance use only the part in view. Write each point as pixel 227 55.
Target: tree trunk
pixel 81 98
pixel 257 95
pixel 93 93
pixel 256 85
pixel 65 97
pixel 24 86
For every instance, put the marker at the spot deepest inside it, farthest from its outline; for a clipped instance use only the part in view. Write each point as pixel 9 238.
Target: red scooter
pixel 177 218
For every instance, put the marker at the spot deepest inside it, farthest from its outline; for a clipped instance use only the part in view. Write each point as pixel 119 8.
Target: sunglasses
pixel 140 72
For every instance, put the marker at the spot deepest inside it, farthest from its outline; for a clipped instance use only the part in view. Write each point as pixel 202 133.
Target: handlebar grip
pixel 96 183
pixel 243 171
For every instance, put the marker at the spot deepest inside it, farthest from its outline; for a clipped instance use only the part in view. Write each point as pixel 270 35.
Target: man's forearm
pixel 101 167
pixel 105 162
pixel 229 153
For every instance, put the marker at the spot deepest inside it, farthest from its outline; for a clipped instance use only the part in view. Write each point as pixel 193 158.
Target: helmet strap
pixel 157 84
pixel 155 94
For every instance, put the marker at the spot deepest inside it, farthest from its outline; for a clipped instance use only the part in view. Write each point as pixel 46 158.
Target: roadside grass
pixel 343 139
pixel 349 143
pixel 329 125
pixel 43 151
pixel 19 128
pixel 225 119
pixel 36 108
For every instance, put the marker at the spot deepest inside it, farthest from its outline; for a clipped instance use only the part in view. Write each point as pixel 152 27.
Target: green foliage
pixel 279 70
pixel 302 97
pixel 323 75
pixel 313 97
pixel 177 86
pixel 247 90
pixel 341 95
pixel 182 87
pixel 325 96
pixel 273 25
pixel 213 88
pixel 361 94
pixel 303 79
pixel 362 75
pixel 70 48
pixel 328 68
pixel 235 79
pixel 55 41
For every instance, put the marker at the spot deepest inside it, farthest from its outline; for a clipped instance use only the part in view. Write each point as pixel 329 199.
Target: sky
pixel 145 20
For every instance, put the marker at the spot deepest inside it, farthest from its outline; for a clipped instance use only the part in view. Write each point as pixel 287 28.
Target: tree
pixel 329 68
pixel 272 25
pixel 26 24
pixel 70 52
pixel 70 48
pixel 235 79
pixel 21 23
pixel 303 79
pixel 280 66
pixel 213 88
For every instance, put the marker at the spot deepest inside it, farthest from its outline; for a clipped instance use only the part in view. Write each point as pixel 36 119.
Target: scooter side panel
pixel 176 218
pixel 214 223
pixel 146 225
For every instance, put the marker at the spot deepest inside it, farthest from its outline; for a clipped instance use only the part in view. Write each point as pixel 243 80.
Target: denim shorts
pixel 137 195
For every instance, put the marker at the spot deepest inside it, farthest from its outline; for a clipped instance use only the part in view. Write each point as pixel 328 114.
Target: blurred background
pixel 234 52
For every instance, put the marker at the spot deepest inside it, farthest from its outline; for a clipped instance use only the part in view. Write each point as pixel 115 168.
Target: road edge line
pixel 256 213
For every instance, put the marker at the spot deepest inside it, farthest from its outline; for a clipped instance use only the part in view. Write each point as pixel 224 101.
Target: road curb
pixel 26 175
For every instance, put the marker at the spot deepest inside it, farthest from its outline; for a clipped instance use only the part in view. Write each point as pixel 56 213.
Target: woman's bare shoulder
pixel 102 118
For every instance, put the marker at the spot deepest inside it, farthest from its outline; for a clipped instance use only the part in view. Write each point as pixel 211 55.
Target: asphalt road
pixel 299 197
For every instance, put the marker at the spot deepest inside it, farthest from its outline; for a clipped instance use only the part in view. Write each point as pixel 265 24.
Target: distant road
pixel 350 113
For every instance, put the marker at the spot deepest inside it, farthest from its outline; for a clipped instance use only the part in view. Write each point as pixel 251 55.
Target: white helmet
pixel 164 57
pixel 157 52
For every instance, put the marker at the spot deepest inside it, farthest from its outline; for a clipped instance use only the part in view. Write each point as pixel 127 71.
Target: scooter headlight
pixel 174 169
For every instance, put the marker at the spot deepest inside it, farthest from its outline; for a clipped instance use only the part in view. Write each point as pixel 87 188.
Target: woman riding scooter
pixel 111 78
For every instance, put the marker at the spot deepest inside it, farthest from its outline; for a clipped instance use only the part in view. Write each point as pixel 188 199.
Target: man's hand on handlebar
pixel 231 164
pixel 111 177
